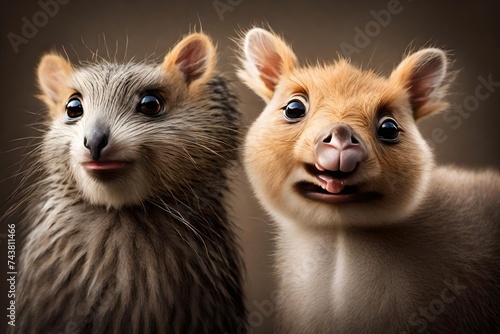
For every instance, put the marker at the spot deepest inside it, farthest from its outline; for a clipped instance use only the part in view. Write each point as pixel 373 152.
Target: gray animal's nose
pixel 339 148
pixel 95 141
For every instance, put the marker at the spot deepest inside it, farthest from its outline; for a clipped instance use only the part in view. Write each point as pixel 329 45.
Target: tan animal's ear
pixel 193 58
pixel 423 73
pixel 266 57
pixel 53 74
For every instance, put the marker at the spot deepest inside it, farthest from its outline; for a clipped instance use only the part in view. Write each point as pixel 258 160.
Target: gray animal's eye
pixel 150 105
pixel 74 109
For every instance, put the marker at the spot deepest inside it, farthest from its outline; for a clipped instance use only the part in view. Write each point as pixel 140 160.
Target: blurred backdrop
pixel 371 33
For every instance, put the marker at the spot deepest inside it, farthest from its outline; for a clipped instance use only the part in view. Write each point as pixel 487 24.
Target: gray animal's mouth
pixel 105 165
pixel 107 170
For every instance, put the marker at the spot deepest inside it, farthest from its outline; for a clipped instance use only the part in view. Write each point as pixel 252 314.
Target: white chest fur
pixel 343 282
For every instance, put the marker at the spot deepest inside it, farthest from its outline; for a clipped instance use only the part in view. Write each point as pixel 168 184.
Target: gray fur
pixel 164 257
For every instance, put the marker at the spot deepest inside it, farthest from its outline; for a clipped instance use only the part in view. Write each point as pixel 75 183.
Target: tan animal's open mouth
pixel 332 187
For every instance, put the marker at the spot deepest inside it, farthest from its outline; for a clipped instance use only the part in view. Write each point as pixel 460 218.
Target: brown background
pixel 469 29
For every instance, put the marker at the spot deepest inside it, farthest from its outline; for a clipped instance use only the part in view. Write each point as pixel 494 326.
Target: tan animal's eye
pixel 150 105
pixel 74 109
pixel 294 110
pixel 388 130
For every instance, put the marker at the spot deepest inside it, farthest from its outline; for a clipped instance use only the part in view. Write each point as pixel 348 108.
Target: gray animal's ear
pixel 265 59
pixel 423 74
pixel 192 60
pixel 53 74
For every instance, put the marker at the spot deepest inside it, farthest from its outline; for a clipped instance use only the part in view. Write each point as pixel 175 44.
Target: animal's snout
pixel 339 148
pixel 95 141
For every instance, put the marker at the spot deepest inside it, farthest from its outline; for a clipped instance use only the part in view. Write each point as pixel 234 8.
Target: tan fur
pixel 197 46
pixel 53 73
pixel 269 60
pixel 367 267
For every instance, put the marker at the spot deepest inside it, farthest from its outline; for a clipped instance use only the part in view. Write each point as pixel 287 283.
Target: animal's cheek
pixel 58 143
pixel 78 152
pixel 269 157
pixel 373 173
pixel 399 166
pixel 304 150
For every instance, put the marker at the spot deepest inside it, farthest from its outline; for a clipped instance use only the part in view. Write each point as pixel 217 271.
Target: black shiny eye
pixel 294 110
pixel 149 105
pixel 74 109
pixel 388 130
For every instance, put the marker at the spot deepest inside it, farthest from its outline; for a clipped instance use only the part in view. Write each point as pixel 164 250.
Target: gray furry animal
pixel 127 229
pixel 372 236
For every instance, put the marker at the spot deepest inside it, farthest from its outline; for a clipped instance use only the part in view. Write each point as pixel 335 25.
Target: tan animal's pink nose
pixel 339 148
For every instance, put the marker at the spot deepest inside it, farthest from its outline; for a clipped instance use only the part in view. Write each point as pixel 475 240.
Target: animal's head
pixel 123 133
pixel 336 143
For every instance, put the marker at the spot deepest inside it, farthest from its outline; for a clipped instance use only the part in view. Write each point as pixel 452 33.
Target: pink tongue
pixel 333 185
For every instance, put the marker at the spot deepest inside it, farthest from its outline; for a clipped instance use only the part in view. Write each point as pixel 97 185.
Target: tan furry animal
pixel 373 237
pixel 127 227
